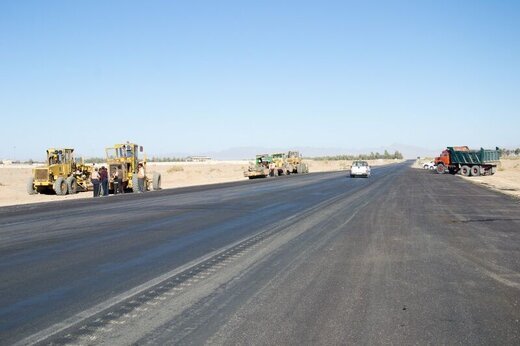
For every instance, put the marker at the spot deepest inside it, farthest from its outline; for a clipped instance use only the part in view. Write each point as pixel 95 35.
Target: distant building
pixel 198 158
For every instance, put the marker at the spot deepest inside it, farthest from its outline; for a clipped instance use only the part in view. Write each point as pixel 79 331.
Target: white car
pixel 429 165
pixel 360 168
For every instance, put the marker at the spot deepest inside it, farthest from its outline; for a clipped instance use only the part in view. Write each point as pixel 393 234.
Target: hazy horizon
pixel 199 77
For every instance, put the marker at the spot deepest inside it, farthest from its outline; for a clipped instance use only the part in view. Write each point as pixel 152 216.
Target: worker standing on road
pixel 95 182
pixel 140 177
pixel 118 181
pixel 103 176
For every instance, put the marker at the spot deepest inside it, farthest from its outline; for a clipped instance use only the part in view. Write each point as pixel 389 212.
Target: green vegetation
pixel 95 160
pixel 167 159
pixel 371 156
pixel 509 152
pixel 174 169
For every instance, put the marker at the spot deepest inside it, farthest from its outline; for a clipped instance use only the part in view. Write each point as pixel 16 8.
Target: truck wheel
pixel 465 171
pixel 135 184
pixel 440 168
pixel 60 186
pixel 475 171
pixel 156 183
pixel 493 170
pixel 30 187
pixel 72 185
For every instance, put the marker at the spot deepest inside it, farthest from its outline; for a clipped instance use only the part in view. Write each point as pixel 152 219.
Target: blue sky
pixel 198 76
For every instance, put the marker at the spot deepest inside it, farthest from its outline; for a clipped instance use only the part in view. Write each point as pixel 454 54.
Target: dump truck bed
pixel 474 157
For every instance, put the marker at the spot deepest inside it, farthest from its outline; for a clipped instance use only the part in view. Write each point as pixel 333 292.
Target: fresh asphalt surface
pixel 403 257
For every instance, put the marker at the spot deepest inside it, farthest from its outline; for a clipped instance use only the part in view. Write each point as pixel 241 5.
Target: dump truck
pixel 125 158
pixel 62 174
pixel 462 160
pixel 260 168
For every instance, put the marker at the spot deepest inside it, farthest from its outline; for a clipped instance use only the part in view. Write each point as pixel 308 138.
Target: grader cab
pixel 62 174
pixel 124 159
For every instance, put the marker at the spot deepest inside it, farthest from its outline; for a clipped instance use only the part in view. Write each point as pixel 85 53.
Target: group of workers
pixel 100 180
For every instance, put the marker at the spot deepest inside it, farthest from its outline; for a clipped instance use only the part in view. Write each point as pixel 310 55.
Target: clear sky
pixel 196 76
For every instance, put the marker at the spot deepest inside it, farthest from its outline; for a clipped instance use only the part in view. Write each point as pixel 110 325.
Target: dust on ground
pixel 14 178
pixel 505 180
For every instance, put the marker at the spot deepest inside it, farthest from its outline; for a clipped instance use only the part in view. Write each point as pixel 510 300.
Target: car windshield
pixel 359 163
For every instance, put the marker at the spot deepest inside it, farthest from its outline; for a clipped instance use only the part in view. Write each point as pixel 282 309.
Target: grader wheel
pixel 156 182
pixel 72 185
pixel 30 187
pixel 60 186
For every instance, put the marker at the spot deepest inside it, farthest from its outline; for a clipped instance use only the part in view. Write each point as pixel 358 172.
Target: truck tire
pixel 30 187
pixel 475 170
pixel 60 186
pixel 493 170
pixel 465 171
pixel 441 168
pixel 72 185
pixel 135 184
pixel 156 182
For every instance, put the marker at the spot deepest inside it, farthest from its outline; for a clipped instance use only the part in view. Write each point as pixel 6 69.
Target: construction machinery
pixel 295 162
pixel 279 166
pixel 468 162
pixel 124 159
pixel 285 164
pixel 62 174
pixel 260 168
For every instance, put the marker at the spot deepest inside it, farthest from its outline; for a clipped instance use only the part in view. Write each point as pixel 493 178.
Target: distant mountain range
pixel 239 153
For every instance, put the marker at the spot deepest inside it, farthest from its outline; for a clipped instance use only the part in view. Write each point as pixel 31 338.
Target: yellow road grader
pixel 124 158
pixel 295 162
pixel 285 164
pixel 61 174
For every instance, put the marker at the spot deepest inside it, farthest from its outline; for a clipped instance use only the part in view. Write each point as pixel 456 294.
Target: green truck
pixel 462 160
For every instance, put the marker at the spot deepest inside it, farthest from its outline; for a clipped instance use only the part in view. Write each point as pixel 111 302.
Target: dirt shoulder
pixel 14 178
pixel 505 180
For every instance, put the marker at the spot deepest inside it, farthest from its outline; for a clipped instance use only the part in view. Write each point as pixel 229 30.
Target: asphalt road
pixel 403 257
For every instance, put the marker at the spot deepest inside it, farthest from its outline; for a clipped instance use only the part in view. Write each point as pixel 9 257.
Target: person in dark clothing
pixel 103 176
pixel 95 182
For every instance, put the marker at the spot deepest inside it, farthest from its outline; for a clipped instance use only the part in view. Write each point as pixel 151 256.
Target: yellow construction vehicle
pixel 296 165
pixel 279 166
pixel 125 158
pixel 62 174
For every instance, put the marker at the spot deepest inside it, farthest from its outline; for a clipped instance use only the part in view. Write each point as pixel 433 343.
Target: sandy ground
pixel 505 180
pixel 13 178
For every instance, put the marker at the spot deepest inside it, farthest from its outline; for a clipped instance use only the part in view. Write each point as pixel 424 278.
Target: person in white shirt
pixel 95 182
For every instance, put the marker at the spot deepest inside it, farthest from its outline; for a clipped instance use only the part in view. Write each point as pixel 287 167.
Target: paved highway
pixel 404 257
